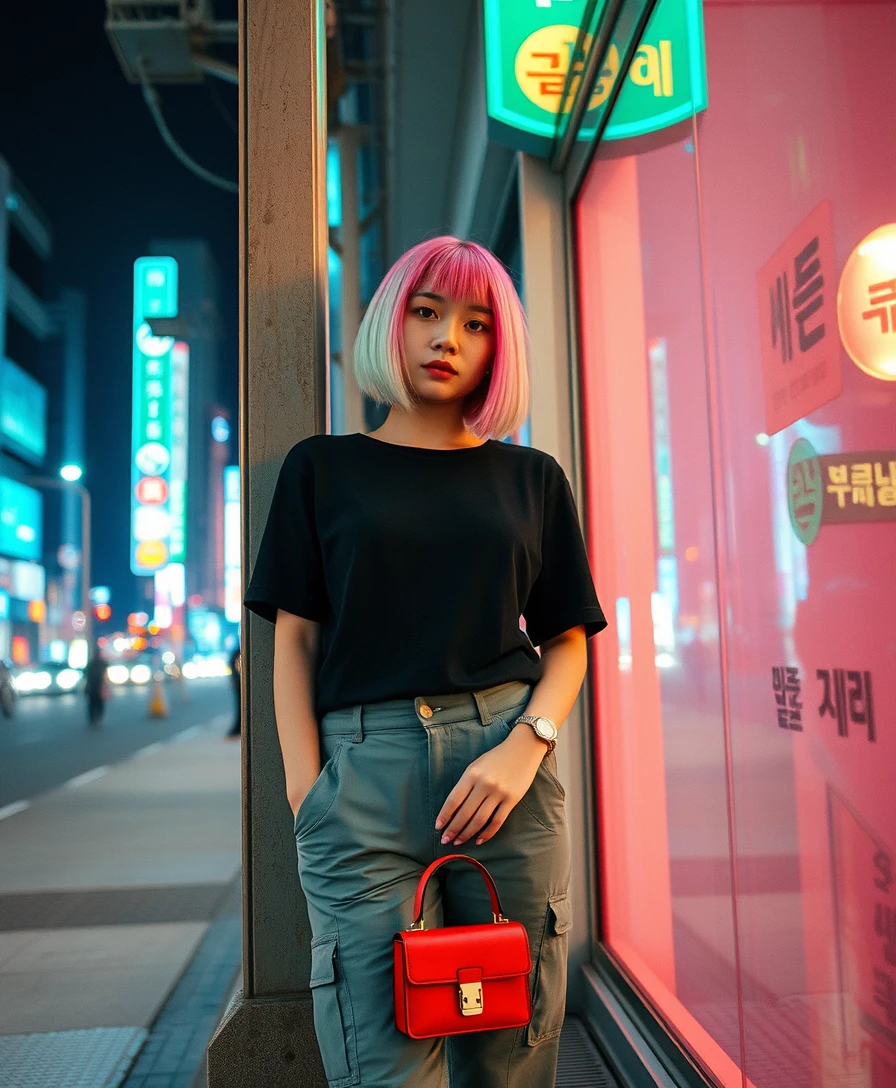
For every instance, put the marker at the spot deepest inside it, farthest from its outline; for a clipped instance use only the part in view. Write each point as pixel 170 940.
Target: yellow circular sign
pixel 866 304
pixel 152 554
pixel 543 60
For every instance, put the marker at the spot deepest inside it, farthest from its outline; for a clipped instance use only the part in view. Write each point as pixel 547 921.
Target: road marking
pixel 156 746
pixel 11 810
pixel 88 776
pixel 187 734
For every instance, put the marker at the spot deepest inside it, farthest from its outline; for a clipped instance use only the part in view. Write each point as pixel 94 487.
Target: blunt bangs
pixel 468 272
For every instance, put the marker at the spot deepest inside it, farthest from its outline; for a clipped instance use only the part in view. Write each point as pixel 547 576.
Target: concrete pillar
pixel 266 1038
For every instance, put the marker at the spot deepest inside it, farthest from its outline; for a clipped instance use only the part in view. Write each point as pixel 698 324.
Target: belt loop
pixel 358 723
pixel 485 715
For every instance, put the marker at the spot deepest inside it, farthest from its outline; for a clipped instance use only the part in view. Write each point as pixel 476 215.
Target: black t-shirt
pixel 419 563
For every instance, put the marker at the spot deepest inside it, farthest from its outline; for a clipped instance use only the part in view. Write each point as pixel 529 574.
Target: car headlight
pixel 42 680
pixel 24 682
pixel 141 674
pixel 68 679
pixel 117 674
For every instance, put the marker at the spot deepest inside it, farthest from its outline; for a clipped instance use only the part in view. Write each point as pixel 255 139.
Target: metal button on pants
pixel 364 834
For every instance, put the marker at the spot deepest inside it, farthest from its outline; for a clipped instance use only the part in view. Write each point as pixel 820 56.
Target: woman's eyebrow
pixel 439 298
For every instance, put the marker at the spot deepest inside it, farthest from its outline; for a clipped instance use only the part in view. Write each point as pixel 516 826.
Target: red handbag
pixel 459 979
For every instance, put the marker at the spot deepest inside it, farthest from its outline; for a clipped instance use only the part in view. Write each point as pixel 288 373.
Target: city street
pixel 48 742
pixel 120 892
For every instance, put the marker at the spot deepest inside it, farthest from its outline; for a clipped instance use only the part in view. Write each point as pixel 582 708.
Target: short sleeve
pixel 288 571
pixel 563 595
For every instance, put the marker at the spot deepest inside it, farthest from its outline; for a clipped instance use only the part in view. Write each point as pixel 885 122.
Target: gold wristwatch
pixel 543 728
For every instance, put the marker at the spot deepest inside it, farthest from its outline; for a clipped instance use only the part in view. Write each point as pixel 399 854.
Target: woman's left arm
pixel 493 784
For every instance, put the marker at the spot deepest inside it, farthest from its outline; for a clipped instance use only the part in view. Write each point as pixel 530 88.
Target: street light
pixel 70 475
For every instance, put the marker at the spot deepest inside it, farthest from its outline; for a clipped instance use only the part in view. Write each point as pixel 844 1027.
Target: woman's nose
pixel 445 338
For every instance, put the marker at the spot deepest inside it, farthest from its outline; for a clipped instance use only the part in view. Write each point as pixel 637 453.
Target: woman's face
pixel 449 345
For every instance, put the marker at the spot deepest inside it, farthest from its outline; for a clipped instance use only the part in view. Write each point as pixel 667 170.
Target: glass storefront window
pixel 741 484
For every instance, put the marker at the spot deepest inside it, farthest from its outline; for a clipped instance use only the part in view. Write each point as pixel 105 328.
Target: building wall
pixel 199 302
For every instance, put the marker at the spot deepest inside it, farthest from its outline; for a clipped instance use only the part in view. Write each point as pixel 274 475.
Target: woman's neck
pixel 413 432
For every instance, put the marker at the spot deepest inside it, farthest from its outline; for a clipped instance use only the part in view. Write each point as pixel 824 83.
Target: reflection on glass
pixel 743 506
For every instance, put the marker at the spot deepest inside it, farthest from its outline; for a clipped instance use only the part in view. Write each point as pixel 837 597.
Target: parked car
pixel 47 678
pixel 8 694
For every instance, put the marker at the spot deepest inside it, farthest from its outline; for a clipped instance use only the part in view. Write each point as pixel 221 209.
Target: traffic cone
pixel 158 708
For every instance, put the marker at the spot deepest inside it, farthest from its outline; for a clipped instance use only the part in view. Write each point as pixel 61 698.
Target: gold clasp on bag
pixel 470 996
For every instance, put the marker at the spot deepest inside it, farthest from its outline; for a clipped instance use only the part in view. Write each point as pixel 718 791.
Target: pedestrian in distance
pixel 96 688
pixel 415 715
pixel 235 661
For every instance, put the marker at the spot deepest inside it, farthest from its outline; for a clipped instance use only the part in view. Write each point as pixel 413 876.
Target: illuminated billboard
pixel 233 597
pixel 155 295
pixel 23 412
pixel 180 384
pixel 21 520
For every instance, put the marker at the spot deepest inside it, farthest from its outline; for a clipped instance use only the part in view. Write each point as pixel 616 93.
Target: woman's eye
pixel 481 326
pixel 424 311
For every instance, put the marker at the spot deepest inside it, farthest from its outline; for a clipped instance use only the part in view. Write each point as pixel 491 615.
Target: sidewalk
pixel 108 890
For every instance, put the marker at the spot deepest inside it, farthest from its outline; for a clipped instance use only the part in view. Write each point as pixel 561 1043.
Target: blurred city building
pixel 42 365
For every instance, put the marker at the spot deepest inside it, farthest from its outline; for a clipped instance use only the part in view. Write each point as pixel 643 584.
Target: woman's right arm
pixel 296 647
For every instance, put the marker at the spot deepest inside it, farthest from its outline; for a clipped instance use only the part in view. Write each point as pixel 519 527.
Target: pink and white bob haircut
pixel 467 272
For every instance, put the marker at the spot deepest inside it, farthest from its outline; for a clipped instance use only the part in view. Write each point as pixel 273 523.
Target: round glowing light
pixel 762 439
pixel 155 346
pixel 118 674
pixel 866 304
pixel 68 679
pixel 220 429
pixel 71 473
pixel 152 458
pixel 151 554
pixel 141 674
pixel 24 682
pixel 41 681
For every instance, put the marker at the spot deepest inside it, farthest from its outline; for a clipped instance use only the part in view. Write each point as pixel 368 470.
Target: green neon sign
pixel 155 295
pixel 530 46
pixel 666 81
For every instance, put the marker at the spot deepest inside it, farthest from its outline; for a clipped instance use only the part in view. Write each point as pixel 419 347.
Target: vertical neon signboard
pixel 155 295
pixel 233 597
pixel 180 385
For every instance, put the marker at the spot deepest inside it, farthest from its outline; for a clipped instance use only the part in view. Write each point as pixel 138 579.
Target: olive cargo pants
pixel 364 834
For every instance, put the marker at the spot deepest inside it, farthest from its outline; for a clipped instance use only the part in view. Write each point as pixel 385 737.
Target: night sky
pixel 84 144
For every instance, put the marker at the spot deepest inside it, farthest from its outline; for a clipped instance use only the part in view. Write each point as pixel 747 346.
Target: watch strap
pixel 530 720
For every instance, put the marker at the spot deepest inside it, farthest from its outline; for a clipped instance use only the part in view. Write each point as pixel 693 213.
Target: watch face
pixel 544 729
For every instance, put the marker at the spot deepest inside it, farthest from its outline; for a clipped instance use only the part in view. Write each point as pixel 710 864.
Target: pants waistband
pixel 429 710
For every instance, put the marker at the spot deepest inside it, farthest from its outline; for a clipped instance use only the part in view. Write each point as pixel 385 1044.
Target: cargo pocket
pixel 333 1021
pixel 549 992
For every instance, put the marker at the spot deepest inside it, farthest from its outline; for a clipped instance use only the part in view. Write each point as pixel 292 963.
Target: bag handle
pixel 497 912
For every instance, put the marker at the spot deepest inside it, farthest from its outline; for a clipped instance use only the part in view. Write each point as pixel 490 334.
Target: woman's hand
pixel 297 787
pixel 490 787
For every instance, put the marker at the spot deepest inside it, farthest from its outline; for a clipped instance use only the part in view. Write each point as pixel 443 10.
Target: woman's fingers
pixel 454 800
pixel 498 817
pixel 487 807
pixel 462 815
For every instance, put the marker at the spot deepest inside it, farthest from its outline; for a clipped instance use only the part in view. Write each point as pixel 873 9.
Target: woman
pixel 396 566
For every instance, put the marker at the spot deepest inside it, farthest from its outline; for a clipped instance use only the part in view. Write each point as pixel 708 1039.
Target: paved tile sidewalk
pixel 112 893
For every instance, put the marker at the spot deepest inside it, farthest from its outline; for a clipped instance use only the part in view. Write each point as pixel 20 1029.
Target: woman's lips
pixel 441 371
